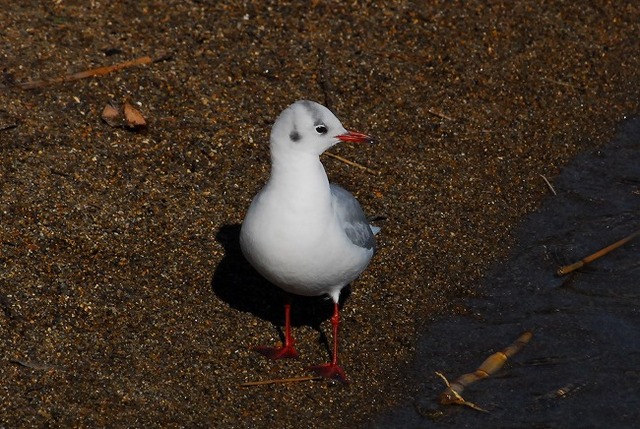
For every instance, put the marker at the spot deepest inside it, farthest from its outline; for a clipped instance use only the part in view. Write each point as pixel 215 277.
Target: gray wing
pixel 352 218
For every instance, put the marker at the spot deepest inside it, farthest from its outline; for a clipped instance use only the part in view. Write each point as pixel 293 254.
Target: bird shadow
pixel 238 284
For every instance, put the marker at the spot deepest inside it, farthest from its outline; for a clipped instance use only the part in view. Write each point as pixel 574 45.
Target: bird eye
pixel 321 129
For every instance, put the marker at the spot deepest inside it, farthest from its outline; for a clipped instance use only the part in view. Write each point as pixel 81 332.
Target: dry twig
pixel 440 115
pixel 351 163
pixel 37 365
pixel 549 185
pixel 281 380
pixel 584 261
pixel 93 72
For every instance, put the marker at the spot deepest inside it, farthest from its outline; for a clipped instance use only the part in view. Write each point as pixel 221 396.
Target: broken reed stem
pixel 584 261
pixel 351 163
pixel 453 393
pixel 456 397
pixel 281 380
pixel 89 73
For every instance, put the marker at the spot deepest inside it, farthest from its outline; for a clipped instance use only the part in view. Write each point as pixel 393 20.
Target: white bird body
pixel 303 234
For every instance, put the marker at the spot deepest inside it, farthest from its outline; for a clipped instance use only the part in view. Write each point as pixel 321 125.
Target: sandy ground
pixel 124 299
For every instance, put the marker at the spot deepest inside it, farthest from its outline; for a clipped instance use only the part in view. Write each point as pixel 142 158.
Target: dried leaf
pixel 133 117
pixel 111 114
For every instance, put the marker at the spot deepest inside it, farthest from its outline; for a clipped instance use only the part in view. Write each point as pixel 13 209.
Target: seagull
pixel 305 235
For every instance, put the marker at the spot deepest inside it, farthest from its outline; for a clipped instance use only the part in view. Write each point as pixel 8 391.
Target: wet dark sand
pixel 124 300
pixel 581 367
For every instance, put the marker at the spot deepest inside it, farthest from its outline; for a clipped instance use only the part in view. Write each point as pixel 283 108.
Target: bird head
pixel 311 128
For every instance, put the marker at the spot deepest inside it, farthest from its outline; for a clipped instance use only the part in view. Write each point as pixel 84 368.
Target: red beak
pixel 353 137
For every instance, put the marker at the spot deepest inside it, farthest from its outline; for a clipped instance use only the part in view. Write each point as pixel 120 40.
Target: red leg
pixel 287 350
pixel 332 370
